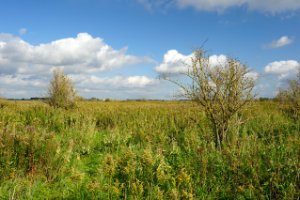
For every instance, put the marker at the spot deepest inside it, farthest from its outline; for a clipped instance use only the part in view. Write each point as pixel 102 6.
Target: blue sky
pixel 117 48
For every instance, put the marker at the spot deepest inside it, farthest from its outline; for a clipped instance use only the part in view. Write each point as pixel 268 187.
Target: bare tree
pixel 221 90
pixel 61 91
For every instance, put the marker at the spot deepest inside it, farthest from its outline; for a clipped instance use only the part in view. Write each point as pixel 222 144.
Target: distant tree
pixel 221 90
pixel 61 91
pixel 290 97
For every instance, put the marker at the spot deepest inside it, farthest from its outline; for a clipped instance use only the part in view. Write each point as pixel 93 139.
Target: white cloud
pixel 25 69
pixel 282 41
pixel 22 86
pixel 217 60
pixel 139 81
pixel 283 69
pixel 26 86
pixel 81 54
pixel 175 62
pixel 21 81
pixel 2 44
pixel 252 75
pixel 22 31
pixel 116 82
pixel 272 6
pixel 119 87
pixel 278 72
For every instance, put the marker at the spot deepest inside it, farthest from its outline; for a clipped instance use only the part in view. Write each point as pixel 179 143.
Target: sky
pixel 118 48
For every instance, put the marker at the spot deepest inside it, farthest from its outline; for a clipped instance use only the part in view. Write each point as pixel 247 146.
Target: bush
pixel 61 91
pixel 222 91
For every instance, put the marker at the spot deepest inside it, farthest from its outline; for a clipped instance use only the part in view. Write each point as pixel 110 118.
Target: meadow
pixel 145 150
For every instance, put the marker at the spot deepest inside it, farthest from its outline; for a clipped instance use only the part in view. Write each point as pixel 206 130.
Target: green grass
pixel 144 150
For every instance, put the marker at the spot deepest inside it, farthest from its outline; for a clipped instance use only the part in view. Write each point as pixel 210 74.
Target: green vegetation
pixel 145 150
pixel 290 97
pixel 221 90
pixel 61 91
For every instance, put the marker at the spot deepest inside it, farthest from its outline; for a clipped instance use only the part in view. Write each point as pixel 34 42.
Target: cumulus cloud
pixel 21 81
pixel 26 69
pixel 278 73
pixel 283 69
pixel 175 62
pixel 82 53
pixel 216 60
pixel 252 75
pixel 22 86
pixel 115 82
pixel 120 87
pixel 282 41
pixel 26 86
pixel 273 6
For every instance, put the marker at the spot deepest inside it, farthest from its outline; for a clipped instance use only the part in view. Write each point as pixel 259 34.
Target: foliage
pixel 291 97
pixel 61 91
pixel 221 90
pixel 144 150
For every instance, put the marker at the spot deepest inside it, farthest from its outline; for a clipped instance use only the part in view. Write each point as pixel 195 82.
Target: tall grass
pixel 144 150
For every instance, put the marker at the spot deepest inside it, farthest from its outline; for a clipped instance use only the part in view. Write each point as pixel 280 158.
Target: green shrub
pixel 61 91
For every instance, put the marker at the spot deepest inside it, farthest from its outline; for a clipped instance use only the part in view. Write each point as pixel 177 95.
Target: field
pixel 145 150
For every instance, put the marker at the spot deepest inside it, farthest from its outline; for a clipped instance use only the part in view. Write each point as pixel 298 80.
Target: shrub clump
pixel 61 91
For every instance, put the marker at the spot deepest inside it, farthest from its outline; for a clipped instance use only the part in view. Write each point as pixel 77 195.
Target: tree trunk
pixel 218 137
